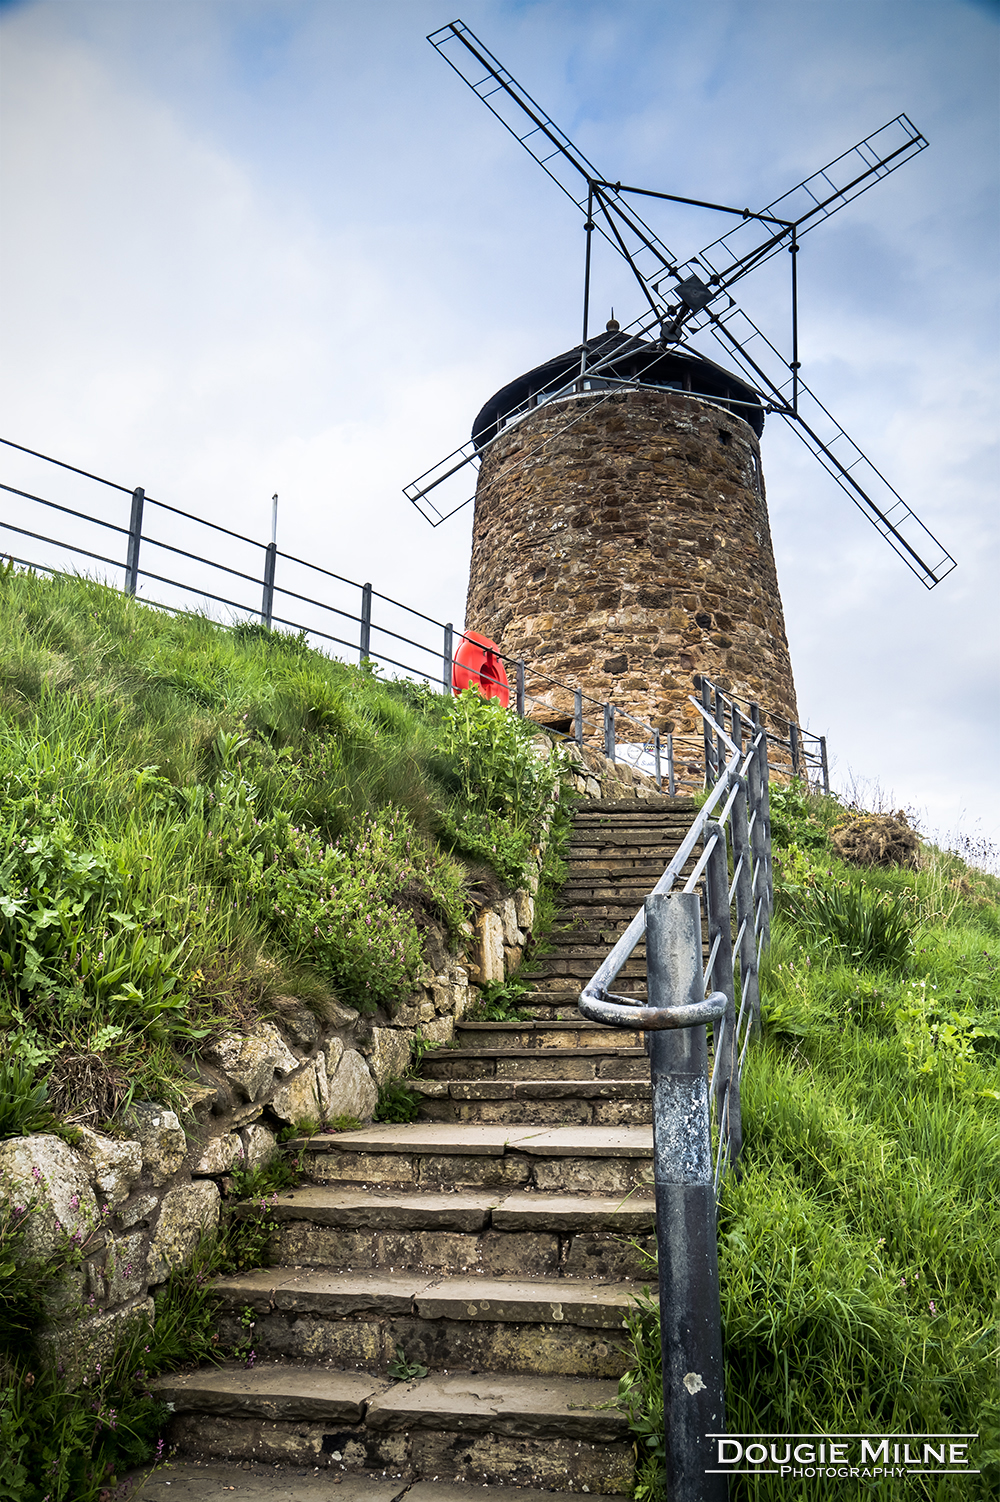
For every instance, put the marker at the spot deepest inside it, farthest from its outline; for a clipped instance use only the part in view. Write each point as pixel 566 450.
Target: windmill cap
pixel 674 368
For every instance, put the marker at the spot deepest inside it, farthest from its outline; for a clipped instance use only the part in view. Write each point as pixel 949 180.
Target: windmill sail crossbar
pixel 823 435
pixel 814 199
pixel 513 105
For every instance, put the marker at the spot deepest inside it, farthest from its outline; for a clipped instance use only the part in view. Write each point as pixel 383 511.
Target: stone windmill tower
pixel 621 540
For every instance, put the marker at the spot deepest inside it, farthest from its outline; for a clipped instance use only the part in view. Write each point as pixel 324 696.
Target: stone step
pixel 606 1062
pixel 594 807
pixel 455 1322
pixel 205 1480
pixel 555 1102
pixel 498 1235
pixel 553 1432
pixel 432 1155
pixel 571 1032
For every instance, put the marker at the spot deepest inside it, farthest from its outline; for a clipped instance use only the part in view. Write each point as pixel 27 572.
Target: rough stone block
pixel 251 1060
pixel 259 1145
pixel 161 1137
pixel 115 1164
pixel 220 1155
pixel 301 1097
pixel 42 1170
pixel 186 1212
pixel 353 1092
pixel 79 1346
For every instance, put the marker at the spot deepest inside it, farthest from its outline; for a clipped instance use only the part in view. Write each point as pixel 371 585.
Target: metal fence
pixel 697 1126
pixel 174 558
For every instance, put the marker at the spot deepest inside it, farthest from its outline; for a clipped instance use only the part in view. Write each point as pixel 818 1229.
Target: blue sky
pixel 257 247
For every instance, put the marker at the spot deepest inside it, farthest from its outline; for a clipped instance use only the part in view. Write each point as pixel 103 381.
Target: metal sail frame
pixel 700 284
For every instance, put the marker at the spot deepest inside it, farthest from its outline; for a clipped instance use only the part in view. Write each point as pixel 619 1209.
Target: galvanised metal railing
pixel 687 992
pixel 335 613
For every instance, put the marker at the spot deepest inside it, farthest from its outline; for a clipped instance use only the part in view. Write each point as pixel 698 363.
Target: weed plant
pixel 860 1244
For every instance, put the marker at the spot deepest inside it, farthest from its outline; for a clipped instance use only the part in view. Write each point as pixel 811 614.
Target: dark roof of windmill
pixel 635 359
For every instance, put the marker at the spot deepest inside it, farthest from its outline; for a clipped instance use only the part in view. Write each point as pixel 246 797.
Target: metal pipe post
pixel 826 769
pixel 793 737
pixel 578 716
pixel 671 781
pixel 722 978
pixel 690 1322
pixel 267 602
pixel 448 659
pixel 609 731
pixel 656 758
pixel 520 687
pixel 366 621
pixel 134 538
pixel 711 774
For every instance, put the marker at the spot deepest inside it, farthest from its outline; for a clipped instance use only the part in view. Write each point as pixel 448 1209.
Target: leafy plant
pixel 403 1370
pixel 397 1102
pixel 23 1099
pixel 869 928
pixel 500 1001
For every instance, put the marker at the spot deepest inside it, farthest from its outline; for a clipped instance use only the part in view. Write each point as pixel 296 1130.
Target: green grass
pixel 860 1245
pixel 195 820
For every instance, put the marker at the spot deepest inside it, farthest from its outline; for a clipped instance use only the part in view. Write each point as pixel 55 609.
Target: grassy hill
pixel 196 820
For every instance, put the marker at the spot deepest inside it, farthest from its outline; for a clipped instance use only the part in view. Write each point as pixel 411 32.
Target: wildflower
pixel 932 1307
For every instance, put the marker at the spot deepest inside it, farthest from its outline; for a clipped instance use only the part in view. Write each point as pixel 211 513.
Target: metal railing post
pixel 706 700
pixel 720 721
pixel 520 687
pixel 671 780
pixel 267 601
pixel 366 621
pixel 793 737
pixel 609 731
pixel 656 759
pixel 578 716
pixel 761 836
pixel 690 1320
pixel 722 977
pixel 826 769
pixel 448 658
pixel 134 539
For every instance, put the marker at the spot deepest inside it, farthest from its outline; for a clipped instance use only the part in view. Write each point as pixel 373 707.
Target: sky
pixel 278 246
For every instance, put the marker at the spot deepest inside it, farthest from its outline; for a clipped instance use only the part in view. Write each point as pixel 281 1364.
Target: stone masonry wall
pixel 630 552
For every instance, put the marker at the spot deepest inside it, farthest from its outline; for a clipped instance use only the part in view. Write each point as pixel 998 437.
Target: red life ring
pixel 477 665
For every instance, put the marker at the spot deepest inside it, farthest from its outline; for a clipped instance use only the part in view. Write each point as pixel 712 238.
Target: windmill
pixel 680 300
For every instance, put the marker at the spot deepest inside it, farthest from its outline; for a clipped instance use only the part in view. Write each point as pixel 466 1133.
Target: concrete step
pixel 557 1433
pixel 498 1235
pixel 432 1155
pixel 607 1062
pixel 458 1322
pixel 555 1102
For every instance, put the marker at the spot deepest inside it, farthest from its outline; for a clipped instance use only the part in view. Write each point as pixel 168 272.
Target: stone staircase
pixel 495 1242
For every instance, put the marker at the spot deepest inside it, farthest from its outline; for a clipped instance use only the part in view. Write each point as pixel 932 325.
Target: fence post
pixel 656 758
pixel 720 722
pixel 711 774
pixel 760 836
pixel 690 1322
pixel 366 621
pixel 448 658
pixel 267 602
pixel 826 769
pixel 609 731
pixel 520 687
pixel 578 716
pixel 134 538
pixel 721 977
pixel 671 782
pixel 793 736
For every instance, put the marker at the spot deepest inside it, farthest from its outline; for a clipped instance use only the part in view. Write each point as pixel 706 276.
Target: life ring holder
pixel 477 664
